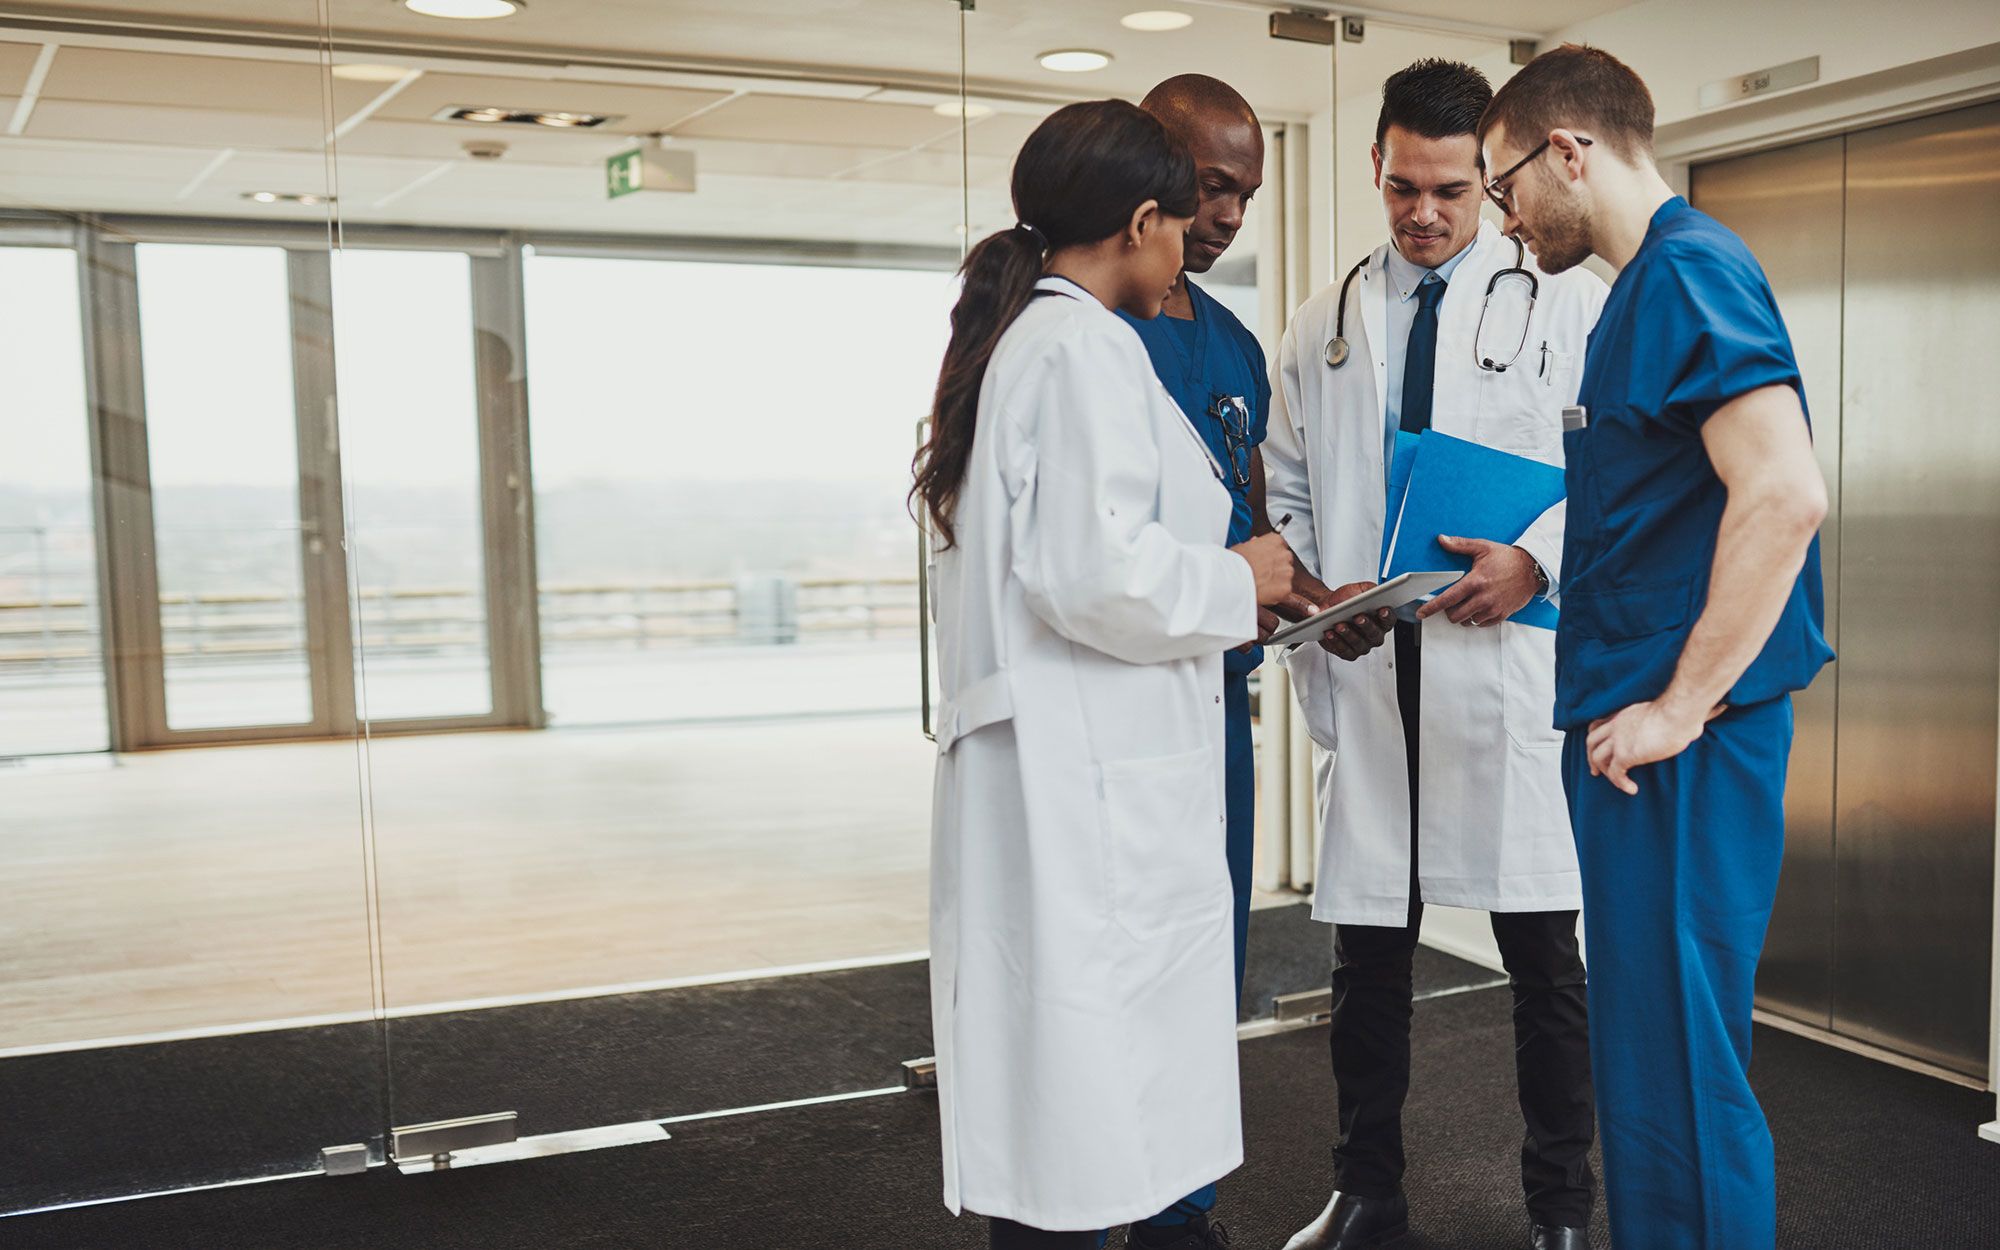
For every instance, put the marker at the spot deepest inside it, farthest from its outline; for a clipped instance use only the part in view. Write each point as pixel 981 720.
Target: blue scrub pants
pixel 1678 883
pixel 1239 771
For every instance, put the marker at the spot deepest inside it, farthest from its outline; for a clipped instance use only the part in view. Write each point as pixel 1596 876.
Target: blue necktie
pixel 1420 358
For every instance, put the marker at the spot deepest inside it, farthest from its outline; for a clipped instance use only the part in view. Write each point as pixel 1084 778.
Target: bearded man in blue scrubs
pixel 1691 611
pixel 1214 368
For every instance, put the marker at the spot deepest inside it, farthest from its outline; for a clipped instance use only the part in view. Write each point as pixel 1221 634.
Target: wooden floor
pixel 219 888
pixel 223 886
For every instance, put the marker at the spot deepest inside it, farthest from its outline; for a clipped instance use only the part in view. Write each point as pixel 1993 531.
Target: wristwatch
pixel 1541 579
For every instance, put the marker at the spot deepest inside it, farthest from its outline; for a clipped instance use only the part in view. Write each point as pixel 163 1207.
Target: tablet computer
pixel 1394 593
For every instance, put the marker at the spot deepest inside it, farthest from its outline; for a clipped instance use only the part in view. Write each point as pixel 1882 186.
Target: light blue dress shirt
pixel 1404 278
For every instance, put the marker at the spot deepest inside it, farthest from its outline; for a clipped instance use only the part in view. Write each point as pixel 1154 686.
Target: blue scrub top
pixel 1690 324
pixel 1215 357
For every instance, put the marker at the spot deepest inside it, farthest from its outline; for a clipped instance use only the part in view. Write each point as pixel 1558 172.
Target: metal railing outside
pixel 47 632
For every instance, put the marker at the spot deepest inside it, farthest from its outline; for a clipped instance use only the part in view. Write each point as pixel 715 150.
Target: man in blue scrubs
pixel 1690 613
pixel 1214 368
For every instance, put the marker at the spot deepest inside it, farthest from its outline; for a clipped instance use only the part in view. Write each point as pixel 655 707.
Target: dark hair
pixel 1433 98
pixel 1079 178
pixel 1580 88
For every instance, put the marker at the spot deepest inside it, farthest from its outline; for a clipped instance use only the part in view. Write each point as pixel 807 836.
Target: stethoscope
pixel 1336 347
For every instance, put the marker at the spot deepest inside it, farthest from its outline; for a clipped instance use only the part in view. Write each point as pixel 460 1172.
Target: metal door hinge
pixel 1304 28
pixel 344 1160
pixel 1310 1005
pixel 437 1140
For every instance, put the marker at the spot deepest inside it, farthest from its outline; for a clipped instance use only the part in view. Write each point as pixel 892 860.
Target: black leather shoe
pixel 1543 1237
pixel 1351 1223
pixel 1199 1233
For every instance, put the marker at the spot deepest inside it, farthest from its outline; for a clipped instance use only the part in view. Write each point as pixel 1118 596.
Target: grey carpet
pixel 1869 1157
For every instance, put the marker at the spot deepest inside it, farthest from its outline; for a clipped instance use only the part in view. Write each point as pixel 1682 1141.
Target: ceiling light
pixel 489 114
pixel 1074 60
pixel 287 197
pixel 371 73
pixel 1156 20
pixel 972 112
pixel 468 9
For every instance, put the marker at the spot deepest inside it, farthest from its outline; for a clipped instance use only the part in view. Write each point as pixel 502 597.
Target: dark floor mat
pixel 865 1174
pixel 87 1124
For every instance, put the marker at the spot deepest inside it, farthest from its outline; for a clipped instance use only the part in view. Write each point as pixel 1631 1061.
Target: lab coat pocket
pixel 1312 684
pixel 1528 679
pixel 1518 414
pixel 1164 825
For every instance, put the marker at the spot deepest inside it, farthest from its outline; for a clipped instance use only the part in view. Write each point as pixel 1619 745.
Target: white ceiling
pixel 809 118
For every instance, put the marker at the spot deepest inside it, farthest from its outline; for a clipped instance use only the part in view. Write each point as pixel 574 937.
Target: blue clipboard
pixel 1472 491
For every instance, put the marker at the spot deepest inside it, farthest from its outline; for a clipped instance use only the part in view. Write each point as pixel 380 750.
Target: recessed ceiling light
pixel 1074 60
pixel 490 114
pixel 287 197
pixel 469 9
pixel 1156 19
pixel 972 112
pixel 370 73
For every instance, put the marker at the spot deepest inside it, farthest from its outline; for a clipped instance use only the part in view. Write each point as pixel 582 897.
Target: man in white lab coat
pixel 1445 781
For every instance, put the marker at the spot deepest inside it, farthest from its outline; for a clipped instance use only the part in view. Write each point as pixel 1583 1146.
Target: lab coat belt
pixel 987 701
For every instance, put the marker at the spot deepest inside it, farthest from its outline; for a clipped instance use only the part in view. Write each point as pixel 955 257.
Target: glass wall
pixel 492 481
pixel 51 640
pixel 409 434
pixel 187 993
pixel 724 535
pixel 649 448
pixel 223 451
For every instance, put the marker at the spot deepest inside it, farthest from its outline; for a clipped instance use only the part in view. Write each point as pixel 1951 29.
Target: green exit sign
pixel 624 173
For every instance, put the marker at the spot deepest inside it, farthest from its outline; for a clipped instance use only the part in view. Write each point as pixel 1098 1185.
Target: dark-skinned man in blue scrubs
pixel 1214 368
pixel 1691 610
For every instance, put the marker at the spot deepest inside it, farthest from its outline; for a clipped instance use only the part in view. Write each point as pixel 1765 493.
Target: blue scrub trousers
pixel 1678 883
pixel 1239 772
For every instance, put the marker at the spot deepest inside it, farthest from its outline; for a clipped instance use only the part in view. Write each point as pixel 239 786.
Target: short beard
pixel 1562 237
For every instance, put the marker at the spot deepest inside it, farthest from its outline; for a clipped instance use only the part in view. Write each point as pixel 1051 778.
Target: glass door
pixel 241 540
pixel 695 402
pixel 265 593
pixel 410 436
pixel 188 987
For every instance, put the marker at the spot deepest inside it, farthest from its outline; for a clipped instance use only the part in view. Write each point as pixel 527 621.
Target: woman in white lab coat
pixel 1081 960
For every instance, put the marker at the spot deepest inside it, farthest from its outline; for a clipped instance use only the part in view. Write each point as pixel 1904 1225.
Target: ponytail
pixel 999 280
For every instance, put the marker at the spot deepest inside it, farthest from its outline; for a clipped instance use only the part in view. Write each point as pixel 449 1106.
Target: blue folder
pixel 1400 463
pixel 1470 491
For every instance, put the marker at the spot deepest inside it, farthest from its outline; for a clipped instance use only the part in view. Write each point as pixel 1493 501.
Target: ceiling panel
pixel 644 109
pixel 38 159
pixel 175 127
pixel 1000 135
pixel 291 88
pixel 17 60
pixel 437 141
pixel 797 119
pixel 909 37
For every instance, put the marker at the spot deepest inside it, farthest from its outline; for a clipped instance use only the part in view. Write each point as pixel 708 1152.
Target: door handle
pixel 924 603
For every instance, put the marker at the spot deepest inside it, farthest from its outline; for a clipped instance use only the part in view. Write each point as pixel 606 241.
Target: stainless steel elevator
pixel 1883 247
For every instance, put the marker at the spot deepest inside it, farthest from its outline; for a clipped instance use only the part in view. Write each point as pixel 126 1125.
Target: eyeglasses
pixel 1234 416
pixel 1504 198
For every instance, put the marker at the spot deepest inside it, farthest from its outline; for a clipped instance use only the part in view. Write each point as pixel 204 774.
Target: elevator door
pixel 1787 205
pixel 1884 929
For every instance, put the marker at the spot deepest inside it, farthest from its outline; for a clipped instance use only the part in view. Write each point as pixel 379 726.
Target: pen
pixel 1543 370
pixel 1282 522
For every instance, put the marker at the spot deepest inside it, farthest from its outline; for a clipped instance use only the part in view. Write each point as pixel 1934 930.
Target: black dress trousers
pixel 1371 1031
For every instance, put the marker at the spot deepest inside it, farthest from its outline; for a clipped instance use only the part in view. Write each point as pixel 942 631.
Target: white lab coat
pixel 1082 989
pixel 1493 826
